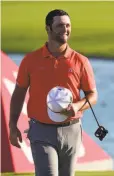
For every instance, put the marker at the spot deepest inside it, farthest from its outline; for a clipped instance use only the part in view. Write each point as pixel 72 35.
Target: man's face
pixel 61 29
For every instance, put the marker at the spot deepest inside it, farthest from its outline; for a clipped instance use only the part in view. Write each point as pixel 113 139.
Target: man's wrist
pixel 76 107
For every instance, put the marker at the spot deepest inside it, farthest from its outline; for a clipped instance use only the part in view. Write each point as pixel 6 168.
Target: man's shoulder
pixel 33 54
pixel 80 57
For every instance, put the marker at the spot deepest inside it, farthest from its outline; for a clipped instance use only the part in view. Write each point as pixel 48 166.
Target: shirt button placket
pixel 56 63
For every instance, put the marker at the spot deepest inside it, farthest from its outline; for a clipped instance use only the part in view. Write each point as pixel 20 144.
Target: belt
pixel 67 123
pixel 59 125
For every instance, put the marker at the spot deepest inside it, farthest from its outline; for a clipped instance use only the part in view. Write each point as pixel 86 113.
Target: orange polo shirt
pixel 40 71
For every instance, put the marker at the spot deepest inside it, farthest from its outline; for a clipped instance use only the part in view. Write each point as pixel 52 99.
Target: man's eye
pixel 60 25
pixel 68 25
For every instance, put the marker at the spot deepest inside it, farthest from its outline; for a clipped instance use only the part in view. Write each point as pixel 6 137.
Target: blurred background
pixel 23 26
pixel 23 30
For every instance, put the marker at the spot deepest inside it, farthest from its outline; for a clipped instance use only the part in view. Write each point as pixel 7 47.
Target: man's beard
pixel 57 37
pixel 61 40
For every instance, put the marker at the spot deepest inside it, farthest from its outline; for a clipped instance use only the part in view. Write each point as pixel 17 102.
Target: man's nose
pixel 65 28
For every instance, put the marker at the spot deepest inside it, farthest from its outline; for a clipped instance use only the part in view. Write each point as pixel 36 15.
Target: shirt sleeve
pixel 23 79
pixel 87 77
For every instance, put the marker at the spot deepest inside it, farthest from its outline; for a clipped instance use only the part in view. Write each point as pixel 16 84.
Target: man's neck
pixel 56 49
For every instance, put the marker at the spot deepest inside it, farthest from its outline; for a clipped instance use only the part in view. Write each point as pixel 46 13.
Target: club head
pixel 101 132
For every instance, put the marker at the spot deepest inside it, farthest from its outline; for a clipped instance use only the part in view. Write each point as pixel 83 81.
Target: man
pixel 54 145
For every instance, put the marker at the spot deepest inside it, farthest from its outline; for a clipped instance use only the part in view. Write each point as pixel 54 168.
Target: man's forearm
pixel 83 104
pixel 16 105
pixel 15 109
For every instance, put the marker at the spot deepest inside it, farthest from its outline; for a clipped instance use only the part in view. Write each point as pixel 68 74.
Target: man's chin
pixel 62 41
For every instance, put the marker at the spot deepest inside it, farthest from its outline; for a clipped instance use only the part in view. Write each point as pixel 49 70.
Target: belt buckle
pixel 68 123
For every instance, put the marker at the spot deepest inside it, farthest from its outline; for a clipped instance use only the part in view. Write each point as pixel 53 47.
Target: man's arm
pixel 82 105
pixel 16 105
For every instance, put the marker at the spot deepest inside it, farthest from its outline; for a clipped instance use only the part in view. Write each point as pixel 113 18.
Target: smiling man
pixel 54 145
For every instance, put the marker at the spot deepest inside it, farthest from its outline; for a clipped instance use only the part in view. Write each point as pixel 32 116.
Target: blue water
pixel 104 110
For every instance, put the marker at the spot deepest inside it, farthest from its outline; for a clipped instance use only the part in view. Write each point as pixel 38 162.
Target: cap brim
pixel 56 117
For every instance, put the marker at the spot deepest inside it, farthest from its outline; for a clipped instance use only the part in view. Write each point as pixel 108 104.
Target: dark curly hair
pixel 53 13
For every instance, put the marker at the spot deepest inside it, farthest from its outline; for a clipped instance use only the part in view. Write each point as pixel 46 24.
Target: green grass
pixel 23 26
pixel 77 174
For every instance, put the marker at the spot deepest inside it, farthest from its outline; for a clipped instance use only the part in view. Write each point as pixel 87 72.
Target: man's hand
pixel 15 136
pixel 71 110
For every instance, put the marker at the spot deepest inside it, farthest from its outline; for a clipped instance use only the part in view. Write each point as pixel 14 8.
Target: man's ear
pixel 47 29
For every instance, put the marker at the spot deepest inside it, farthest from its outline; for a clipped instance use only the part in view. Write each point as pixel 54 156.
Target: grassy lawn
pixel 77 174
pixel 23 26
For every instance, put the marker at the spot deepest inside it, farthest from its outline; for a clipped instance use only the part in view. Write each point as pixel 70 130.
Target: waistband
pixel 58 125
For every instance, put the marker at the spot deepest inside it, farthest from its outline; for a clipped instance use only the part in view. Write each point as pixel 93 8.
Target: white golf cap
pixel 56 117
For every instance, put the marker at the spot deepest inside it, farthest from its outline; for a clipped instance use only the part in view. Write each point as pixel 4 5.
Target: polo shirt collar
pixel 47 54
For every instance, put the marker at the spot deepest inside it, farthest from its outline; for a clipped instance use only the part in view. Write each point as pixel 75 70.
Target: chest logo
pixel 70 70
